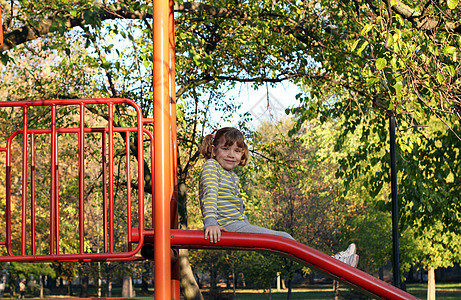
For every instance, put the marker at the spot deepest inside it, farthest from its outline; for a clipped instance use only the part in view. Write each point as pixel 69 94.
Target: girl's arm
pixel 214 231
pixel 209 181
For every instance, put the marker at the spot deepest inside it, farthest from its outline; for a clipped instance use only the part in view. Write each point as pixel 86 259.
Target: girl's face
pixel 227 156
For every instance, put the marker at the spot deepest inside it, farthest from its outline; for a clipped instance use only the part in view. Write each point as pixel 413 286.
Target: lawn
pixel 445 291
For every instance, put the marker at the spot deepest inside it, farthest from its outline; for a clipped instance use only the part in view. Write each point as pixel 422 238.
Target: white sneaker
pixel 348 256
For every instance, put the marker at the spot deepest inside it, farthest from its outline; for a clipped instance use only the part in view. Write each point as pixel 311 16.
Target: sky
pixel 266 103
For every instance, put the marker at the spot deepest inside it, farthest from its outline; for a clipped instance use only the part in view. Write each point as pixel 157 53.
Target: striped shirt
pixel 218 193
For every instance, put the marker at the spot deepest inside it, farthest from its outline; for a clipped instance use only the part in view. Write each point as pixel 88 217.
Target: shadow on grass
pixel 445 291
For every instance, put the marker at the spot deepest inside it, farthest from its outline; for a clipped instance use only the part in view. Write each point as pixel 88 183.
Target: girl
pixel 222 208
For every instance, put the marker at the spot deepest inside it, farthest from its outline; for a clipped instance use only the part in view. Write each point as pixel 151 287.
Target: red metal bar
pixel 53 131
pixel 148 120
pixel 24 181
pixel 104 191
pixel 8 198
pixel 297 251
pixel 53 180
pixel 152 174
pixel 128 187
pixel 81 179
pixel 111 178
pixel 141 183
pixel 162 138
pixel 71 102
pixel 32 192
pixel 57 195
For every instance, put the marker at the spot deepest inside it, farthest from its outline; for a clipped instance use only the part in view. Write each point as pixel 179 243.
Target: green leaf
pixel 196 59
pixel 381 63
pixel 452 4
pixel 54 26
pixel 367 28
pixel 372 81
pixel 390 41
pixel 87 15
pixel 449 50
pixel 364 45
pixel 398 88
pixel 4 58
pixel 354 45
pixel 440 78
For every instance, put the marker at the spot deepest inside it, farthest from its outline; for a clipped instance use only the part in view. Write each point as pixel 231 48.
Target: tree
pixel 360 59
pixel 18 271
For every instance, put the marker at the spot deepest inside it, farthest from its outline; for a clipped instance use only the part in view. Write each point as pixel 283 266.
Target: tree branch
pixel 43 27
pixel 422 21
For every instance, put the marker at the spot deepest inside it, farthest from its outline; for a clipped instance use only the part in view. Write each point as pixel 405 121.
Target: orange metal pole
pixel 162 177
pixel 175 276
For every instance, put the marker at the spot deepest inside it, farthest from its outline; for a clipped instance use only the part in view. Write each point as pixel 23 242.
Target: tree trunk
pixel 84 287
pixel 51 283
pixel 234 281
pixel 278 282
pixel 189 287
pixel 244 284
pixel 431 284
pixel 108 281
pixel 109 288
pixel 145 281
pixel 289 288
pixel 42 283
pixel 212 278
pixel 381 273
pixel 127 286
pixel 336 289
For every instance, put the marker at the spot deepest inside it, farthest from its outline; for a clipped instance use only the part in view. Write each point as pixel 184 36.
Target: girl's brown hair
pixel 230 136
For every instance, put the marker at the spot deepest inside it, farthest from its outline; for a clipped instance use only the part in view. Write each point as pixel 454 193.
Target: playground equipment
pixel 164 235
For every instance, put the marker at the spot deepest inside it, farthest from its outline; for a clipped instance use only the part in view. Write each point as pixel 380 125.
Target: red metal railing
pixel 27 249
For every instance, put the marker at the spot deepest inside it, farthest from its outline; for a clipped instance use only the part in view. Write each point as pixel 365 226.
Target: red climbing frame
pixel 27 251
pixel 163 159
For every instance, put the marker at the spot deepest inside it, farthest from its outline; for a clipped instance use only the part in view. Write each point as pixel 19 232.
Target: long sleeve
pixel 209 193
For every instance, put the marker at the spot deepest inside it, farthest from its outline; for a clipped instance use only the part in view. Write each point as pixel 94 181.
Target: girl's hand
pixel 214 232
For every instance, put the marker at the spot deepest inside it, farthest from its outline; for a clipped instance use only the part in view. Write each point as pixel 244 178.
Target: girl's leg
pixel 246 227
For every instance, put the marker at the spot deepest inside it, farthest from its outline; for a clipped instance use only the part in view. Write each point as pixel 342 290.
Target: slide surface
pixel 295 250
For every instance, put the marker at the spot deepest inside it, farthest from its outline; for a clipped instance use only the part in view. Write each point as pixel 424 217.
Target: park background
pixel 321 172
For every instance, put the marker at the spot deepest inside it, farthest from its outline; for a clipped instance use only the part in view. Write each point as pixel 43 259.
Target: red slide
pixel 295 250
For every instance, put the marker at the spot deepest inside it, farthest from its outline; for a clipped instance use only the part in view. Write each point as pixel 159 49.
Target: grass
pixel 445 291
